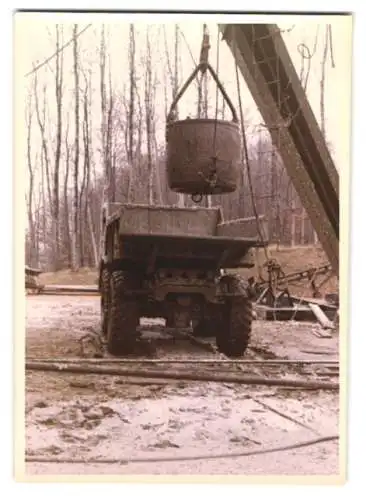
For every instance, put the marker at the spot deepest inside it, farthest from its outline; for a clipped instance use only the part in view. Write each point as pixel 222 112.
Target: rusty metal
pixel 203 155
pixel 274 290
pixel 32 279
pixel 263 60
pixel 189 238
pixel 69 290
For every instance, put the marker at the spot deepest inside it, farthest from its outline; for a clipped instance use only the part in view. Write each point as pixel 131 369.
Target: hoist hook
pixel 197 198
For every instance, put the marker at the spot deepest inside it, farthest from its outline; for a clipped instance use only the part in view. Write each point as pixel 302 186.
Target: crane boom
pixel 262 57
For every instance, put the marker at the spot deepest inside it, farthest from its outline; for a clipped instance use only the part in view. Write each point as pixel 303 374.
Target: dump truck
pixel 172 263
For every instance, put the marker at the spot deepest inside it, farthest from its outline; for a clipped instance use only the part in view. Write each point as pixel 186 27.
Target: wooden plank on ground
pixel 320 316
pixel 322 334
pixel 54 289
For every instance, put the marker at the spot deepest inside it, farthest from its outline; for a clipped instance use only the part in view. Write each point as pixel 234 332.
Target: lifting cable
pixel 330 37
pixel 203 62
pixel 217 93
pixel 61 49
pixel 305 53
pixel 247 161
pixel 205 47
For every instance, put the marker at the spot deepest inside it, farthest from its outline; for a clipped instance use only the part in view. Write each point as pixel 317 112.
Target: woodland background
pixel 82 129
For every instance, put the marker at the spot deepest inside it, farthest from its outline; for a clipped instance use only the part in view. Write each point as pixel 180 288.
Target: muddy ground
pixel 96 416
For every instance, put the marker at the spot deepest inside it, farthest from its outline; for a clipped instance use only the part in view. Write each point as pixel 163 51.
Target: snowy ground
pixel 96 416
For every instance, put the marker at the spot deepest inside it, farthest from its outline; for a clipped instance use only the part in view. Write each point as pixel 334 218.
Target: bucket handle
pixel 202 66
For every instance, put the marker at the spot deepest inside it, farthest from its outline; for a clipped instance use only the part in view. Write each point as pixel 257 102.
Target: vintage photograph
pixel 184 180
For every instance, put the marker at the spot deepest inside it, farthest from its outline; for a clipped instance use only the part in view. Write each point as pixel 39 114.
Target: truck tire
pixel 104 299
pixel 234 336
pixel 123 317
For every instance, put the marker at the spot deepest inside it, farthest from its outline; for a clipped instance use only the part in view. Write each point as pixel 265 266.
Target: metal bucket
pixel 203 155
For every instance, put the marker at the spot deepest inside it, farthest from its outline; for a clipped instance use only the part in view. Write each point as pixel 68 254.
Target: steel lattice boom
pixel 263 59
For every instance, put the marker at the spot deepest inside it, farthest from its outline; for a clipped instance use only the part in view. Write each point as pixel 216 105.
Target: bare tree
pixel 304 78
pixel 132 52
pixel 109 139
pixel 75 230
pixel 63 212
pixel 103 101
pixel 131 108
pixel 273 208
pixel 88 147
pixel 41 119
pixel 328 49
pixel 322 82
pixel 149 116
pixel 86 220
pixel 86 168
pixel 106 137
pixel 68 237
pixel 31 225
pixel 43 199
pixel 174 82
pixel 56 172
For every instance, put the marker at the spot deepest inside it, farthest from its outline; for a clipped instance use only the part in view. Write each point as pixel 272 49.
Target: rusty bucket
pixel 203 155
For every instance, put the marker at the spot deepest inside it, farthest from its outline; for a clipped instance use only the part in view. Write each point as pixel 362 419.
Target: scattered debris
pixel 320 316
pixel 90 415
pixel 165 443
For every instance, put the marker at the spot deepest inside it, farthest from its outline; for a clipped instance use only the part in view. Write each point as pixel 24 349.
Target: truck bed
pixel 164 236
pixel 161 250
pixel 160 220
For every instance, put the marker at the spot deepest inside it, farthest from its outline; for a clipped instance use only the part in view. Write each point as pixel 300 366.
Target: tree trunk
pixel 69 249
pixel 293 223
pixel 174 83
pixel 303 219
pixel 83 195
pixel 322 84
pixel 43 197
pixel 41 124
pixel 103 100
pixel 31 257
pixel 75 232
pixel 109 142
pixel 92 236
pixel 131 112
pixel 56 173
pixel 149 118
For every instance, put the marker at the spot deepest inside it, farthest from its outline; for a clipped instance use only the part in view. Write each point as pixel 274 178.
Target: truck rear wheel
pixel 105 299
pixel 233 339
pixel 234 336
pixel 123 317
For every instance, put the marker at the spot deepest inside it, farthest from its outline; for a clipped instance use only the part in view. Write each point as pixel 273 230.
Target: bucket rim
pixel 203 120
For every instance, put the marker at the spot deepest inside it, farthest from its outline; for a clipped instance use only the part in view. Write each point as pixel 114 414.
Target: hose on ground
pixel 184 458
